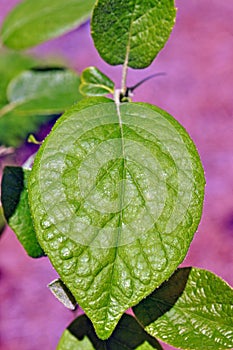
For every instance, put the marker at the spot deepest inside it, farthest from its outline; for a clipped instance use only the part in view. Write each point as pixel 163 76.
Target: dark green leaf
pixel 62 293
pixel 192 310
pixel 16 210
pixel 33 22
pixel 128 335
pixel 132 31
pixel 11 64
pixel 95 83
pixel 116 194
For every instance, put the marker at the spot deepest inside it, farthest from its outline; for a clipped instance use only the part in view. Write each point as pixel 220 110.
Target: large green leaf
pixel 33 22
pixel 14 197
pixel 128 335
pixel 11 64
pixel 192 310
pixel 133 31
pixel 116 195
pixel 33 95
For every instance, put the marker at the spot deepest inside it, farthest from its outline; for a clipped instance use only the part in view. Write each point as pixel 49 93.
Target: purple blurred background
pixel 197 91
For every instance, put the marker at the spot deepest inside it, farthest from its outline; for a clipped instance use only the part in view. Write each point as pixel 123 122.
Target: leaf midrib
pixel 121 200
pixel 130 36
pixel 128 46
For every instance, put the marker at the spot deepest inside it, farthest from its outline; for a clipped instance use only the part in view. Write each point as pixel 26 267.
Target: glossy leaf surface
pixel 33 95
pixel 14 198
pixel 128 335
pixel 95 83
pixel 192 310
pixel 133 31
pixel 44 92
pixel 116 194
pixel 33 22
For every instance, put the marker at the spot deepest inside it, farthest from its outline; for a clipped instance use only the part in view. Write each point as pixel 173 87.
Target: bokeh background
pixel 197 91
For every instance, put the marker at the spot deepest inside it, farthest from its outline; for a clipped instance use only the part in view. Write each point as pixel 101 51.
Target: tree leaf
pixel 44 92
pixel 31 23
pixel 194 308
pixel 33 95
pixel 95 83
pixel 16 210
pixel 116 195
pixel 62 293
pixel 134 30
pixel 11 64
pixel 128 335
pixel 70 342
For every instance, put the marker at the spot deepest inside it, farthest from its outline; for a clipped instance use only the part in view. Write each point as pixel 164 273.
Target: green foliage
pixel 16 210
pixel 33 96
pixel 14 128
pixel 191 310
pixel 43 92
pixel 128 335
pixel 116 190
pixel 70 342
pixel 135 190
pixel 11 64
pixel 133 31
pixel 33 22
pixel 95 83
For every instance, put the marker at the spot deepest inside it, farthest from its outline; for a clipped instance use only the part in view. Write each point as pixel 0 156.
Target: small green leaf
pixel 116 195
pixel 33 95
pixel 128 335
pixel 192 310
pixel 132 31
pixel 62 293
pixel 33 22
pixel 95 83
pixel 16 210
pixel 11 64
